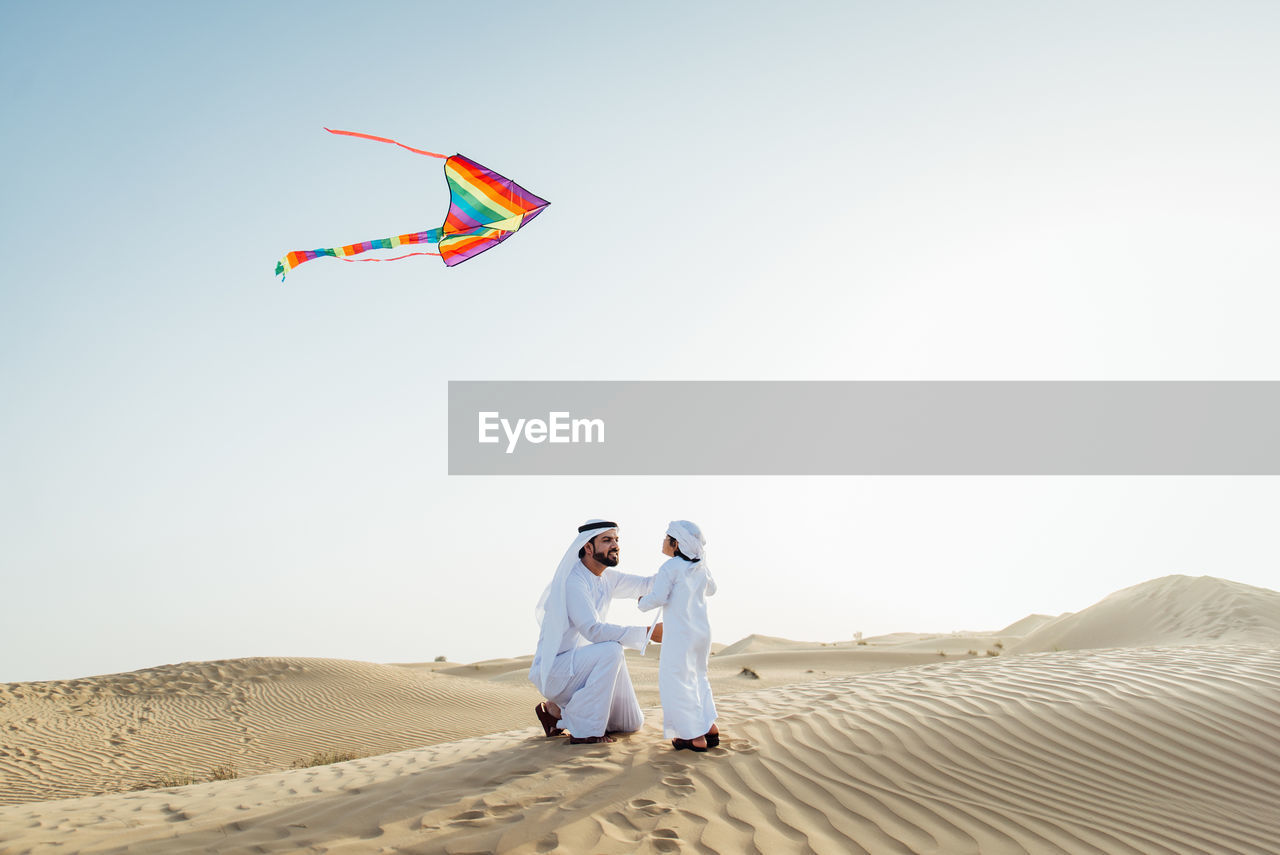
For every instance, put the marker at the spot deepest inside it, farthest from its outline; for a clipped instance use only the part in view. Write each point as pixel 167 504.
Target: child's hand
pixel 657 633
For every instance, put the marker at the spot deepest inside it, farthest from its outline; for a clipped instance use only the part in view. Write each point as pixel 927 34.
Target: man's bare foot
pixel 555 711
pixel 700 742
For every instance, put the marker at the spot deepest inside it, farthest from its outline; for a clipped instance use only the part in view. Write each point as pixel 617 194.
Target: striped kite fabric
pixel 293 259
pixel 485 209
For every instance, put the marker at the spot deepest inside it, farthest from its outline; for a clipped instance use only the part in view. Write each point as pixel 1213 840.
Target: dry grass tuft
pixel 167 780
pixel 324 758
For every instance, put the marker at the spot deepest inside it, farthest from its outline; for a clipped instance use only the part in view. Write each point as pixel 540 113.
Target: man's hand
pixel 656 638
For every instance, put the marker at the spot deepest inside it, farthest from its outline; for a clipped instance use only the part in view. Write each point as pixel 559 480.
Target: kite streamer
pixel 384 139
pixel 485 209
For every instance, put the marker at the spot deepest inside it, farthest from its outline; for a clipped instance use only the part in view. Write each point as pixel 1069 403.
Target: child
pixel 682 586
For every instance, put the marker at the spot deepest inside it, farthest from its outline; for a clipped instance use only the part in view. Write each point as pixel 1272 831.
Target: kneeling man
pixel 579 667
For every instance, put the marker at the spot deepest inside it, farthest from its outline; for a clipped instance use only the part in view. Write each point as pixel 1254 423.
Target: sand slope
pixel 1027 625
pixel 1166 611
pixel 119 731
pixel 1104 751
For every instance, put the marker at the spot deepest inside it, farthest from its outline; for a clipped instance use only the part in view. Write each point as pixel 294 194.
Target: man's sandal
pixel 548 721
pixel 713 739
pixel 681 744
pixel 590 740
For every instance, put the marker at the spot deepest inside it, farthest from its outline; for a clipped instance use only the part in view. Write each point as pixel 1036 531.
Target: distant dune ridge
pixel 1167 611
pixel 1152 729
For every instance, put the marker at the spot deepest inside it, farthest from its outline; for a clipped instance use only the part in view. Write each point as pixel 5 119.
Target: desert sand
pixel 1148 723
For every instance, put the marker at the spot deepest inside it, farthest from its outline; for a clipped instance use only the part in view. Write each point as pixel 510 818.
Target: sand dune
pixel 1026 626
pixel 759 643
pixel 1108 751
pixel 1153 730
pixel 1167 611
pixel 120 731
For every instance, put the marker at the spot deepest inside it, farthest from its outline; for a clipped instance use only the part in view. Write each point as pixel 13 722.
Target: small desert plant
pixel 747 672
pixel 324 758
pixel 999 645
pixel 442 658
pixel 942 653
pixel 992 652
pixel 166 780
pixel 223 773
pixel 861 643
pixel 973 653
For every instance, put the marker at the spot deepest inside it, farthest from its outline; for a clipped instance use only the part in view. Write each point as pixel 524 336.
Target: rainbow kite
pixel 484 210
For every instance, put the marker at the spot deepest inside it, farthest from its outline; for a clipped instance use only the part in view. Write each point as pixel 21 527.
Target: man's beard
pixel 608 559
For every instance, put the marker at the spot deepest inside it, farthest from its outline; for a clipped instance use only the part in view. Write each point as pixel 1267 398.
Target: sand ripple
pixel 1158 750
pixel 120 731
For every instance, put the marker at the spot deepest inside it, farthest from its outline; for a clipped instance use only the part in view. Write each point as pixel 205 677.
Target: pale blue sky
pixel 198 462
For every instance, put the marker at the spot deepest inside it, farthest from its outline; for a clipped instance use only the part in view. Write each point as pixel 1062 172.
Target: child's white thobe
pixel 688 710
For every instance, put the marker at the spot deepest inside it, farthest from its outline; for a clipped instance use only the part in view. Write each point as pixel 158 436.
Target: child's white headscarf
pixel 692 543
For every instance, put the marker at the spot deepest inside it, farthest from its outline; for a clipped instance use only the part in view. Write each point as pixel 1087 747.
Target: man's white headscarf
pixel 692 543
pixel 552 610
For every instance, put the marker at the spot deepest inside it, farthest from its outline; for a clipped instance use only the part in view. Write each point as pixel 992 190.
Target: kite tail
pixel 385 140
pixel 344 253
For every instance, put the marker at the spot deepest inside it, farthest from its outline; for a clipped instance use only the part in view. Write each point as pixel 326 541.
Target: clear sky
pixel 199 462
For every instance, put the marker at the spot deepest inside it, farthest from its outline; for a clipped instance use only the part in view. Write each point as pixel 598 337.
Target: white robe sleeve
pixel 661 590
pixel 585 619
pixel 625 585
pixel 711 582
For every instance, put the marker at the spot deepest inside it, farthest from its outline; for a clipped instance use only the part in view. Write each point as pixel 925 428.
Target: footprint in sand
pixel 665 840
pixel 471 818
pixel 620 820
pixel 679 784
pixel 548 843
pixel 650 807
